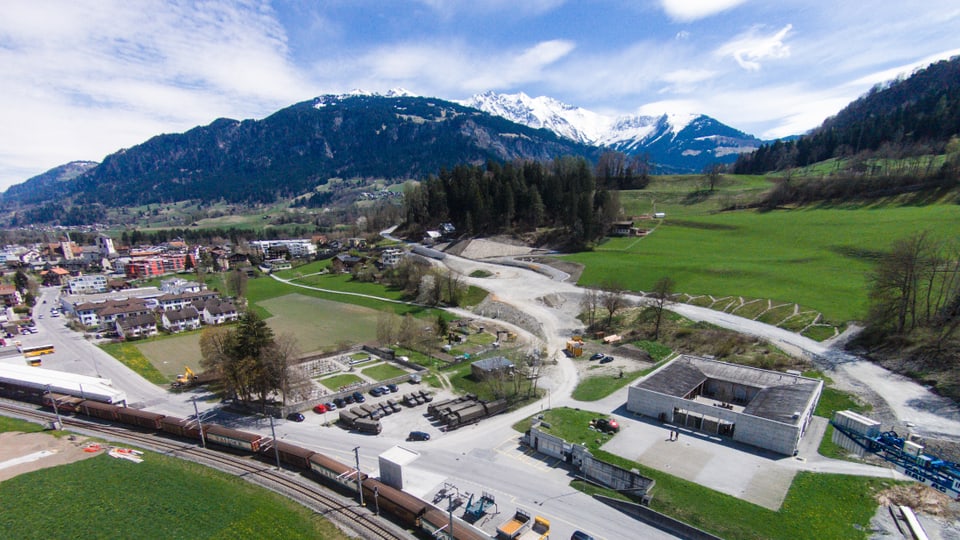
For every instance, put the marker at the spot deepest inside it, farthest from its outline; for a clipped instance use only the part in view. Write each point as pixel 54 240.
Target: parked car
pixel 320 408
pixel 383 390
pixel 358 397
pixel 295 417
pixel 393 388
pixel 331 406
pixel 580 535
pixel 418 436
pixel 349 399
pixel 607 425
pixel 339 402
pixel 606 360
pixel 596 356
pixel 375 392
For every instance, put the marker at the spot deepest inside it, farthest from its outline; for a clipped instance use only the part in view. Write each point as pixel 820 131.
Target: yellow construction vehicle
pixel 187 378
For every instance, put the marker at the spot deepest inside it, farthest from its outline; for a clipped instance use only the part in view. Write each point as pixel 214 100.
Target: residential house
pixel 136 326
pixel 181 286
pixel 180 320
pixel 168 302
pixel 55 277
pixel 344 262
pixel 9 295
pixel 219 312
pixel 105 314
pixel 390 257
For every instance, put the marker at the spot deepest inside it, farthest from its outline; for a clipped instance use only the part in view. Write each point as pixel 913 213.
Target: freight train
pixel 408 510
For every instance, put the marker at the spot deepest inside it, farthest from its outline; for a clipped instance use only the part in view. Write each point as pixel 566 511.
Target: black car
pixel 349 398
pixel 597 356
pixel 393 388
pixel 340 402
pixel 606 360
pixel 418 436
pixel 375 392
pixel 295 417
pixel 358 397
pixel 580 535
pixel 606 425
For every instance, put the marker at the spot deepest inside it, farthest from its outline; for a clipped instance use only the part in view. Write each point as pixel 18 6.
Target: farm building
pixel 766 409
pixel 481 369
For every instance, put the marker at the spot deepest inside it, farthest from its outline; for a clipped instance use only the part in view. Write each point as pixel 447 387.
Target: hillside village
pixel 131 292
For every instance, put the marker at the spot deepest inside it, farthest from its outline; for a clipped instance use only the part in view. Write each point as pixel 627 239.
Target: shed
pixel 481 369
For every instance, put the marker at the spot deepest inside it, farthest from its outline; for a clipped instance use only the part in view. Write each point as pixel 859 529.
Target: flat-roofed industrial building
pixel 762 408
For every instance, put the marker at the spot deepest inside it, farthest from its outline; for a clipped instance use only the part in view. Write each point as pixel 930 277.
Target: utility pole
pixel 276 451
pixel 356 454
pixel 203 440
pixel 55 410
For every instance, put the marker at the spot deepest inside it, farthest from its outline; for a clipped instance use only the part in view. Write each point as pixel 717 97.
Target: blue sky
pixel 80 79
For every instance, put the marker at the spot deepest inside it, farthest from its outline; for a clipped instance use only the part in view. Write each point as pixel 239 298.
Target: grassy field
pixel 817 505
pixel 169 354
pixel 815 257
pixel 102 497
pixel 320 324
pixel 130 355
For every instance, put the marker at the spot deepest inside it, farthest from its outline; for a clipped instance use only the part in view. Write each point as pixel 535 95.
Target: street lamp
pixel 356 453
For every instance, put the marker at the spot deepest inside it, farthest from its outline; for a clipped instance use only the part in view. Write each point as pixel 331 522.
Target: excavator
pixel 186 379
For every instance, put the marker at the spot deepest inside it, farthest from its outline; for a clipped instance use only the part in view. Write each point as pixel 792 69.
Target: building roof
pixel 779 396
pixel 184 314
pixel 492 364
pixel 137 321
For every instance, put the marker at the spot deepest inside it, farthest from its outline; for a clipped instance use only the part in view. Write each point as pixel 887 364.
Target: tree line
pixel 522 196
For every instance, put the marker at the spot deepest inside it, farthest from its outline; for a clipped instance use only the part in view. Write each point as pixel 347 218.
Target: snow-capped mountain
pixel 675 142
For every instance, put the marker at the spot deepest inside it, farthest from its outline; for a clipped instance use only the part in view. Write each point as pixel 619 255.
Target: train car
pixel 334 472
pixel 366 425
pixel 21 392
pixel 290 454
pixel 400 504
pixel 96 409
pixel 64 402
pixel 443 414
pixel 234 438
pixel 435 522
pixel 136 417
pixel 180 427
pixel 433 408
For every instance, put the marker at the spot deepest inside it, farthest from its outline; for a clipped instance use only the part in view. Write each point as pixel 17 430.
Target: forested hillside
pixel 910 117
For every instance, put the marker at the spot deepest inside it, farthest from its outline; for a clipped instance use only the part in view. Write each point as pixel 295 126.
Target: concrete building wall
pixel 760 432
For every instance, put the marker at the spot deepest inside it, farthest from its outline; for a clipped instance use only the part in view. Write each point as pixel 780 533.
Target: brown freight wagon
pixel 234 438
pixel 96 409
pixel 180 427
pixel 290 454
pixel 136 417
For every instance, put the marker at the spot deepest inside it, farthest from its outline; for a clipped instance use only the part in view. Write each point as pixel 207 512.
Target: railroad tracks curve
pixel 314 496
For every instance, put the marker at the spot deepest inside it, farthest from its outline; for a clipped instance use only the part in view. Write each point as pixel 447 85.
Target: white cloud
pixel 82 80
pixel 448 69
pixel 902 71
pixel 691 10
pixel 750 48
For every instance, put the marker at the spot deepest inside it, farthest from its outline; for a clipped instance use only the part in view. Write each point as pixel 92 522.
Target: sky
pixel 81 79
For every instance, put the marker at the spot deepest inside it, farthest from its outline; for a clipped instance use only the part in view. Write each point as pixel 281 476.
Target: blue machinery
pixel 476 509
pixel 930 470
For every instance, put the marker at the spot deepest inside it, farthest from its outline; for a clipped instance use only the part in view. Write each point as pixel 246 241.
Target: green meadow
pixel 817 257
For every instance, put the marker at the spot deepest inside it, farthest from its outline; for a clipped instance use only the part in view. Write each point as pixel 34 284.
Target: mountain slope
pixel 298 148
pixel 675 143
pixel 914 116
pixel 45 186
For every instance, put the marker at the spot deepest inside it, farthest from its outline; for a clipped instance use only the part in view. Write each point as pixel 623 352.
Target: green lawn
pixel 383 372
pixel 320 324
pixel 816 257
pixel 336 382
pixel 102 497
pixel 128 353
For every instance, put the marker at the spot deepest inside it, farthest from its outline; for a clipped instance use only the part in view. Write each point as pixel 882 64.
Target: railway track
pixel 359 521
